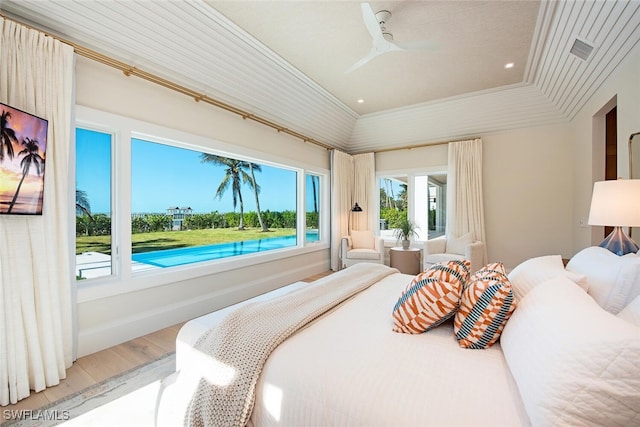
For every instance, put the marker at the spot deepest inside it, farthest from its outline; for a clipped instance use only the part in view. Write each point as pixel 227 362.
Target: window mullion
pixel 122 203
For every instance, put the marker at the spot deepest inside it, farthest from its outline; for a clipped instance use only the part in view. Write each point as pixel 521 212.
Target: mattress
pixel 349 368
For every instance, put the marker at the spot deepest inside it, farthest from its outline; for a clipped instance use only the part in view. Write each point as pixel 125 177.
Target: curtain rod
pixel 130 70
pixel 426 144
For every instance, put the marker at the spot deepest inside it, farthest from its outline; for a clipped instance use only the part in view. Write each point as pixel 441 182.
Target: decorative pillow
pixel 631 313
pixel 612 280
pixel 450 271
pixel 574 363
pixel 487 303
pixel 362 239
pixel 530 273
pixel 495 269
pixel 431 298
pixel 457 245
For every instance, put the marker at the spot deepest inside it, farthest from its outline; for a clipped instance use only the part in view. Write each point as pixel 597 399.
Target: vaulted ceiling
pixel 289 61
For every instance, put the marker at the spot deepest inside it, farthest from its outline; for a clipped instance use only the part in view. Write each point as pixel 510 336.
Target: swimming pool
pixel 182 256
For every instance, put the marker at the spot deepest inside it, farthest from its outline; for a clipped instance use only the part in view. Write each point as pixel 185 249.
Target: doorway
pixel 611 151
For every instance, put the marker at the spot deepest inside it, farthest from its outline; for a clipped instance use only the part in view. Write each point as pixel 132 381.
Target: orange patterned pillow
pixel 486 304
pixel 431 298
pixel 450 271
pixel 495 269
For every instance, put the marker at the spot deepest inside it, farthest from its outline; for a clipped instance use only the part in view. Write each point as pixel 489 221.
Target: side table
pixel 407 261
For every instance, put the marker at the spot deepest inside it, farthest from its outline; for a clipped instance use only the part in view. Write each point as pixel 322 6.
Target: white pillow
pixel 574 363
pixel 362 239
pixel 627 286
pixel 631 313
pixel 457 245
pixel 612 280
pixel 530 273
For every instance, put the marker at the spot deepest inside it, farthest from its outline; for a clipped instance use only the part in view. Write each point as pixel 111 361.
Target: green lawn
pixel 145 242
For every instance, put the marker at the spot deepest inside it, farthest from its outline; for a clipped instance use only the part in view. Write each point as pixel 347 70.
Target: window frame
pixel 410 174
pixel 122 278
pixel 113 214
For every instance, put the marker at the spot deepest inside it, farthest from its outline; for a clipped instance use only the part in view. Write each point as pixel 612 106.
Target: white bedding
pixel 349 368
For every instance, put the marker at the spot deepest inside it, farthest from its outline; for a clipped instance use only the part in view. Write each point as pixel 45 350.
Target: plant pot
pixel 405 244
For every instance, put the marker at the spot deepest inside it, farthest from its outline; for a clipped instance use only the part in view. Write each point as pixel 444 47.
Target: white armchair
pixel 442 249
pixel 361 246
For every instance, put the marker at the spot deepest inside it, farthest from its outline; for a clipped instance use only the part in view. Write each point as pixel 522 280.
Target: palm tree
pixel 389 202
pixel 31 158
pixel 315 192
pixel 235 174
pixel 402 197
pixel 83 207
pixel 256 190
pixel 7 135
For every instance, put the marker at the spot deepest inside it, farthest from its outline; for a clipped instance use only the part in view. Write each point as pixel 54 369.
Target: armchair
pixel 361 246
pixel 442 249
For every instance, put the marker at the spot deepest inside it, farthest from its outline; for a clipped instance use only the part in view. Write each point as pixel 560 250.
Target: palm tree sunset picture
pixel 23 142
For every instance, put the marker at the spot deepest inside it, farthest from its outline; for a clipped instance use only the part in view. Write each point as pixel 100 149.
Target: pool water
pixel 182 256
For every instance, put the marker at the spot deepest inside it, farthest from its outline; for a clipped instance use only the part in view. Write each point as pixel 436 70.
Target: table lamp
pixel 616 203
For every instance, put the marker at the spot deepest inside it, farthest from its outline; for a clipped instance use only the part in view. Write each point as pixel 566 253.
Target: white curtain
pixel 341 185
pixel 465 210
pixel 364 175
pixel 36 76
pixel 352 181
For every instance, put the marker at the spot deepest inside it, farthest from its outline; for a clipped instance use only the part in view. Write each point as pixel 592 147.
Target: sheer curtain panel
pixel 465 210
pixel 364 176
pixel 36 76
pixel 341 185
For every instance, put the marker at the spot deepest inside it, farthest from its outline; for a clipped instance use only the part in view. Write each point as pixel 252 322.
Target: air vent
pixel 581 49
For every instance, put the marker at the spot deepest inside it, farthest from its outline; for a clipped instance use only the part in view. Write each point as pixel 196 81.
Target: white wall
pixel 114 318
pixel 527 189
pixel 623 87
pixel 527 184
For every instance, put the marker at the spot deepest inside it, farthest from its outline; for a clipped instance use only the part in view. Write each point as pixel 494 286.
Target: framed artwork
pixel 23 144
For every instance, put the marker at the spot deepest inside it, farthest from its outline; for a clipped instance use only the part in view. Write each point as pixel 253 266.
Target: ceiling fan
pixel 382 40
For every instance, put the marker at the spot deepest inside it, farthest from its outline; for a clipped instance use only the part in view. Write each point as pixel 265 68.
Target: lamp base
pixel 619 243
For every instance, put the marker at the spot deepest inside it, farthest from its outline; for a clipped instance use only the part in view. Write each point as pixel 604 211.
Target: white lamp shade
pixel 616 203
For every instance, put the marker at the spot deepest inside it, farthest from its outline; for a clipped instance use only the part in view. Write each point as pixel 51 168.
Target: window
pixel 189 206
pixel 93 204
pixel 186 201
pixel 393 203
pixel 418 196
pixel 430 212
pixel 313 208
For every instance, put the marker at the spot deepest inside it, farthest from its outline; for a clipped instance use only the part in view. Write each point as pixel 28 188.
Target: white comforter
pixel 349 368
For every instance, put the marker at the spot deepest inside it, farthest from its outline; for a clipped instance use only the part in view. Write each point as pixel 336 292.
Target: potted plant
pixel 405 231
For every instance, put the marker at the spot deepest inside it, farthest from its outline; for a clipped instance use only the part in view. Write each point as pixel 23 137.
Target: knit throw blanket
pixel 243 341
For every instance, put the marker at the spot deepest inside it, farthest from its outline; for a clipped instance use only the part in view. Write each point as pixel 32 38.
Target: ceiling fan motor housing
pixel 383 16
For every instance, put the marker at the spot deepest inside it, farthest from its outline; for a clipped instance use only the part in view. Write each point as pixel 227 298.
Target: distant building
pixel 179 215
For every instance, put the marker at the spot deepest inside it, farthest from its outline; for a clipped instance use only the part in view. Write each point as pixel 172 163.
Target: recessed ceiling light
pixel 360 101
pixel 509 65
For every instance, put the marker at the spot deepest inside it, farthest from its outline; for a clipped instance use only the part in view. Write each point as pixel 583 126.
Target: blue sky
pixel 164 176
pixel 395 187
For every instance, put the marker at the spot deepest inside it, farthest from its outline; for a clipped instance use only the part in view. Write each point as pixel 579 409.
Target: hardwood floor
pixel 96 367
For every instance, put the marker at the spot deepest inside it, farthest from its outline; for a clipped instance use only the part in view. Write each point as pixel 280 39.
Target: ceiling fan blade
pixel 372 54
pixel 417 45
pixel 371 22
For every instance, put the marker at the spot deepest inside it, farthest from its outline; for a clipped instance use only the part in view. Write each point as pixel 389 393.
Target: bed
pixel 561 359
